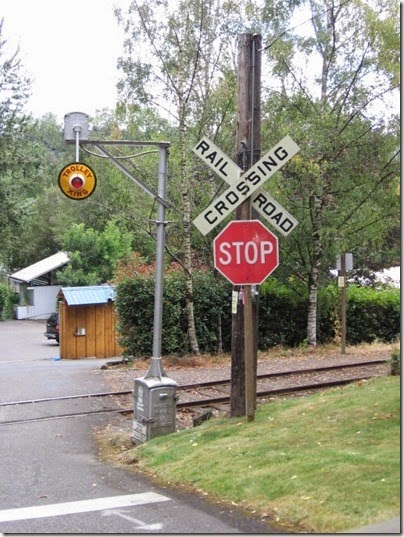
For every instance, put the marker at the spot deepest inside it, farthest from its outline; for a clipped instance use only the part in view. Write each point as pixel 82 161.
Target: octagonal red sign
pixel 246 252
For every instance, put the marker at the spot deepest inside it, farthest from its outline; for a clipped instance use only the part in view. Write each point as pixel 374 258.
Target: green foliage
pixel 31 205
pixel 135 306
pixel 383 27
pixel 328 313
pixel 395 362
pixel 7 299
pixel 372 314
pixel 282 314
pixel 14 91
pixel 343 186
pixel 93 254
pixel 212 298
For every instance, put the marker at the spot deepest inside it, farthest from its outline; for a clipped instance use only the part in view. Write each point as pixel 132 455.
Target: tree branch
pixel 375 221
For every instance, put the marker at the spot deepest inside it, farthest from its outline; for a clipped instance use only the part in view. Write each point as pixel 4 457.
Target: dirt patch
pixel 115 439
pixel 192 369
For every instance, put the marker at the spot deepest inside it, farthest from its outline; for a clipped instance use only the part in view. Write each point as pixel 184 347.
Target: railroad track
pixel 193 399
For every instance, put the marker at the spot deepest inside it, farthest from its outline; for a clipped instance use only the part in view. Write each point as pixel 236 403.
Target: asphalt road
pixel 51 479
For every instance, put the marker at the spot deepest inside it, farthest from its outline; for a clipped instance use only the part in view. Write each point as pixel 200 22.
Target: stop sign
pixel 246 252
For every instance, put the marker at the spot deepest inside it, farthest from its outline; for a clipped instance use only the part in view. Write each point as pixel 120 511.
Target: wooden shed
pixel 88 322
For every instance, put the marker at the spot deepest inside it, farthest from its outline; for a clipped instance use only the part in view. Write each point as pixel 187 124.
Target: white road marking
pixel 84 506
pixel 139 524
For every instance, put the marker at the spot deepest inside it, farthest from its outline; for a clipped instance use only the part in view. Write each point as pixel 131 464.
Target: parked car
pixel 52 327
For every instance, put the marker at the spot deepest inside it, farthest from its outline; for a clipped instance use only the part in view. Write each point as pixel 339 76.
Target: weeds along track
pixel 193 399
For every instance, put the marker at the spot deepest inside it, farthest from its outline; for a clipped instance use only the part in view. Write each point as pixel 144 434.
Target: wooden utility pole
pixel 248 143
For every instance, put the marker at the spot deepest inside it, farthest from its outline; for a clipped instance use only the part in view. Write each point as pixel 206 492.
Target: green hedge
pixel 282 316
pixel 371 314
pixel 135 305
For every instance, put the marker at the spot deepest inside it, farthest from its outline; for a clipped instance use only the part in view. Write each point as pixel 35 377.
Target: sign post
pixel 244 254
pixel 154 394
pixel 344 263
pixel 245 195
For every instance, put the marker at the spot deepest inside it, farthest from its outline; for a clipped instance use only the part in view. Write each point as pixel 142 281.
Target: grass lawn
pixel 322 463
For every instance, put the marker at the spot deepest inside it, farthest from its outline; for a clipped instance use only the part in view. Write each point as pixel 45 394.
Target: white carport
pixel 37 288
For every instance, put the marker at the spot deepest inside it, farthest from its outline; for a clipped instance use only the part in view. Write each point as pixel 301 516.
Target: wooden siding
pixel 100 339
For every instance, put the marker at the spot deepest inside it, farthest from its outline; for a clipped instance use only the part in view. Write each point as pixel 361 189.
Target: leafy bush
pixel 7 299
pixel 282 316
pixel 135 308
pixel 134 305
pixel 212 297
pixel 328 314
pixel 372 314
pixel 395 362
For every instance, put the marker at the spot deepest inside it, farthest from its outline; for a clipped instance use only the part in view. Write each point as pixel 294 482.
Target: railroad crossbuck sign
pixel 245 252
pixel 244 185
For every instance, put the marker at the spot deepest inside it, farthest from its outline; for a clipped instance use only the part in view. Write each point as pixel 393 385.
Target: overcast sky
pixel 69 50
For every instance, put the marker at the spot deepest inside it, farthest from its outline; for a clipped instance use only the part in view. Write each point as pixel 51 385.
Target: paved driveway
pixel 51 480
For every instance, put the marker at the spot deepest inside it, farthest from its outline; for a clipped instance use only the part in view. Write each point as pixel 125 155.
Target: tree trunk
pixel 189 293
pixel 316 207
pixel 186 221
pixel 312 311
pixel 219 348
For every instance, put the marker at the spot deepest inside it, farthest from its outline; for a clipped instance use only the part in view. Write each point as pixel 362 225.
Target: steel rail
pixel 200 385
pixel 210 401
pixel 64 398
pixel 276 391
pixel 273 374
pixel 64 416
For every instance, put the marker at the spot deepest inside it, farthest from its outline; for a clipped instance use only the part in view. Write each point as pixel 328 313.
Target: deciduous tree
pixel 93 255
pixel 179 69
pixel 343 185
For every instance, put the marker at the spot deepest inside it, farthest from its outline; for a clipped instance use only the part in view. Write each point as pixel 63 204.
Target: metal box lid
pixel 76 120
pixel 156 382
